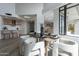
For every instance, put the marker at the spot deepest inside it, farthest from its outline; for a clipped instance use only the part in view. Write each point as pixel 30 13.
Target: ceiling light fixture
pixel 27 17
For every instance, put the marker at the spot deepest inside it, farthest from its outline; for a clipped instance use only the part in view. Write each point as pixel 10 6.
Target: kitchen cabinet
pixel 9 34
pixel 9 22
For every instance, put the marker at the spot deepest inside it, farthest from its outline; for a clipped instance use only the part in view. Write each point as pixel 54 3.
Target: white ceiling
pixel 50 6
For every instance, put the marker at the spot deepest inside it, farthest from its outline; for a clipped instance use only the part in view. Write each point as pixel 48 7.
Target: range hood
pixel 12 16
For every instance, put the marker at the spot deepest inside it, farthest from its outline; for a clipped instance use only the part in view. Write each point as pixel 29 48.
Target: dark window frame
pixel 65 15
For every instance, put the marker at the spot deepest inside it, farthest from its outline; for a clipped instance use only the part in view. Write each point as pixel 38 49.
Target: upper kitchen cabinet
pixel 7 8
pixel 9 22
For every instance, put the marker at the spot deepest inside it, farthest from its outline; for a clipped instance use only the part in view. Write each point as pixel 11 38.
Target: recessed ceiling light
pixel 27 17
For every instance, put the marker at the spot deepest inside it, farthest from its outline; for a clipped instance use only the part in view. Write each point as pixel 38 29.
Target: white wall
pixel 56 21
pixel 1 22
pixel 40 20
pixel 7 8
